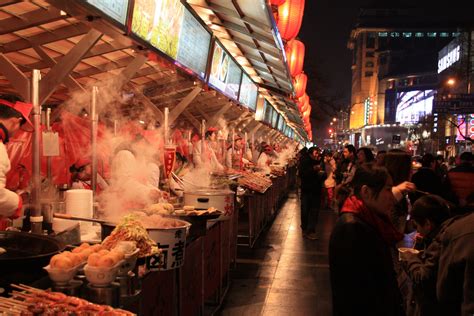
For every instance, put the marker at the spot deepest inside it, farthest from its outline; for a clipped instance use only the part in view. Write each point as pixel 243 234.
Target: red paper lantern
pixel 290 16
pixel 299 83
pixel 295 57
pixel 302 100
pixel 277 2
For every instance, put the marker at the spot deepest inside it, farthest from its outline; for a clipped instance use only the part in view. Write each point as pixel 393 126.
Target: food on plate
pixel 159 208
pixel 180 212
pixel 131 229
pixel 65 260
pixel 188 208
pixel 105 258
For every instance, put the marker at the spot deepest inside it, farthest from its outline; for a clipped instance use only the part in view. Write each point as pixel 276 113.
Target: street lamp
pixel 451 82
pixel 334 119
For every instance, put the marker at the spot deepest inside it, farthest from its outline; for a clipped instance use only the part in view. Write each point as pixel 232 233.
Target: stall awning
pixel 247 29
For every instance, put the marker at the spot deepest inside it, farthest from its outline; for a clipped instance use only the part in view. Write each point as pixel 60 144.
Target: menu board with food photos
pixel 168 26
pixel 225 73
pixel 248 92
pixel 281 121
pixel 274 118
pixel 268 112
pixel 116 9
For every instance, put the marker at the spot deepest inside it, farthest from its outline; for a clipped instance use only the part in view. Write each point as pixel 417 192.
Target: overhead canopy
pixel 77 49
pixel 248 31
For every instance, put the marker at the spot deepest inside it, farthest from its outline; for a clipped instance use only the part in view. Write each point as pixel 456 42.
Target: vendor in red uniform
pixel 13 116
pixel 81 176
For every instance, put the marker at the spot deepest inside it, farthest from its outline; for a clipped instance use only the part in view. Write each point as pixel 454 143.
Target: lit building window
pixel 419 34
pixel 395 34
pixel 383 34
pixel 431 34
pixel 456 34
pixel 407 34
pixel 444 34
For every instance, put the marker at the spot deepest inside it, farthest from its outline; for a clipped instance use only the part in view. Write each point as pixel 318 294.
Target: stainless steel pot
pixel 222 200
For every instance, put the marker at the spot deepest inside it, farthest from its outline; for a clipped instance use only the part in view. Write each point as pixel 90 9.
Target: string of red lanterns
pixel 290 17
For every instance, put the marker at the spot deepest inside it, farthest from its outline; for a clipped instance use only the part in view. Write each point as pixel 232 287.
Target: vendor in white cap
pixel 208 158
pixel 13 116
pixel 81 176
pixel 235 157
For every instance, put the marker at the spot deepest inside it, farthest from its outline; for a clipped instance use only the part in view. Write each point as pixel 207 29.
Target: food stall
pixel 101 84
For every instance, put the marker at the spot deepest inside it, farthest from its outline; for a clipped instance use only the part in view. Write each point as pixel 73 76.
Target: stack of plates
pixel 79 202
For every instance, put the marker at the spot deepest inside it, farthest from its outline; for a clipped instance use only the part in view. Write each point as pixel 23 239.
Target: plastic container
pixel 62 276
pixel 101 277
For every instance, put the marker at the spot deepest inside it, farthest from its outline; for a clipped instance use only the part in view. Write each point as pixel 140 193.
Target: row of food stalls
pixel 156 72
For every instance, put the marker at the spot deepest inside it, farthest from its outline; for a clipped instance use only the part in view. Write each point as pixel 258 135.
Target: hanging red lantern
pixel 290 16
pixel 302 100
pixel 277 2
pixel 299 83
pixel 295 57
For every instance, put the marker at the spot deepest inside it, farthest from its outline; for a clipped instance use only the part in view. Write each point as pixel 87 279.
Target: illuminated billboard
pixel 469 132
pixel 225 72
pixel 248 92
pixel 168 26
pixel 116 9
pixel 413 105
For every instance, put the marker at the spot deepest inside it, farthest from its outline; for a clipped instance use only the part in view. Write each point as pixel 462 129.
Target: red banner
pixel 169 159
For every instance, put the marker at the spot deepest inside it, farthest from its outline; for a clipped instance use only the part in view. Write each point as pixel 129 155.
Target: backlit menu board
pixel 274 118
pixel 248 92
pixel 281 120
pixel 268 112
pixel 168 26
pixel 116 9
pixel 225 73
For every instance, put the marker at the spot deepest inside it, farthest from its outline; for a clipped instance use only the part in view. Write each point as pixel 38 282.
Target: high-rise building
pixel 396 50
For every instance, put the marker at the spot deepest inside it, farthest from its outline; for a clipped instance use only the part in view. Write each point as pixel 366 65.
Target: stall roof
pixel 79 52
pixel 247 29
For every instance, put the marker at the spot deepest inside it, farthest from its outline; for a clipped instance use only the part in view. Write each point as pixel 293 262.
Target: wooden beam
pixel 181 106
pixel 30 19
pixel 63 68
pixel 45 38
pixel 220 113
pixel 129 71
pixel 98 50
pixel 141 97
pixel 192 119
pixel 69 81
pixel 4 3
pixel 16 78
pixel 233 14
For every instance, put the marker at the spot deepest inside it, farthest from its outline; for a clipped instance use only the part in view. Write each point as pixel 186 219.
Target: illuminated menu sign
pixel 268 112
pixel 466 130
pixel 168 26
pixel 248 92
pixel 281 121
pixel 225 73
pixel 116 9
pixel 274 118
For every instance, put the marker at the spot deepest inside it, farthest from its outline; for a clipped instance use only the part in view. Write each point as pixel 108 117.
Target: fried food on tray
pixel 159 208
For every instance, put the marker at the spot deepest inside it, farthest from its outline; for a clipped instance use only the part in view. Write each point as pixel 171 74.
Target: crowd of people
pixel 403 243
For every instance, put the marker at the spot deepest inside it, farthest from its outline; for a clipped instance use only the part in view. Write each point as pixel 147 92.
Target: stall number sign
pixel 450 58
pixel 396 139
pixel 171 254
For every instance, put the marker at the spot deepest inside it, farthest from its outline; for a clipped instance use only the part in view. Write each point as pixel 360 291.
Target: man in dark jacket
pixel 312 178
pixel 460 179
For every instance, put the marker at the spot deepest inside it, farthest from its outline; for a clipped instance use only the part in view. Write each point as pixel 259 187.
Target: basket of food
pixel 63 267
pixel 102 267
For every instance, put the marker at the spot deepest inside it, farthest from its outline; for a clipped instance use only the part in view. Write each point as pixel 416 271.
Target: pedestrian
pixel 364 155
pixel 312 179
pixel 361 268
pixel 380 158
pixel 428 214
pixel 426 179
pixel 330 182
pixel 460 179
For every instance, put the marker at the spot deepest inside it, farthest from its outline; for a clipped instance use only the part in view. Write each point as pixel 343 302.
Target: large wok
pixel 26 255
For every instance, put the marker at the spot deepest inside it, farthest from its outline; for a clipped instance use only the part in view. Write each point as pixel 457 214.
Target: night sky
pixel 325 32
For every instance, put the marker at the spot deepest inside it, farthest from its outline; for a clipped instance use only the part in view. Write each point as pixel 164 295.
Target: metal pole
pixel 48 159
pixel 35 217
pixel 94 123
pixel 203 139
pixel 166 120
